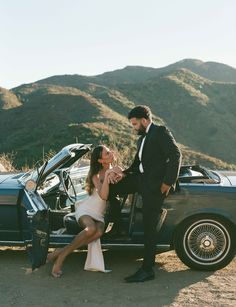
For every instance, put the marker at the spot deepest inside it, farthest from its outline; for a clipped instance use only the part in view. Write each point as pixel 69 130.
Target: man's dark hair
pixel 140 112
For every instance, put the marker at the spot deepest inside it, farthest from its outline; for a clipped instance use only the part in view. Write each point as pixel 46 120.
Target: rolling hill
pixel 199 111
pixel 196 100
pixel 51 117
pixel 136 74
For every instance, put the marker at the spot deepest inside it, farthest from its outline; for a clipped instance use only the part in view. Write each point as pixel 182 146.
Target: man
pixel 153 172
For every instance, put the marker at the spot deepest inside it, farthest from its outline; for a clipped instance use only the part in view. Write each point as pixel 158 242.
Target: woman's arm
pixel 102 187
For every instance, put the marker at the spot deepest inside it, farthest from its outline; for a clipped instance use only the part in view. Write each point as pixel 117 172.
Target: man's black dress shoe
pixel 140 276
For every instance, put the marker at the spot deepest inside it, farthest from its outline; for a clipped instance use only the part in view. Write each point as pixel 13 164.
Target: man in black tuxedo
pixel 153 172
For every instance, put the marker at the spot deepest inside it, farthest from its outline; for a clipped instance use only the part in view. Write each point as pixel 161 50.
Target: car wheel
pixel 205 243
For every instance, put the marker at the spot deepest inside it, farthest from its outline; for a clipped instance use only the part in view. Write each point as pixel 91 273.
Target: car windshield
pixel 25 176
pixel 197 174
pixel 215 176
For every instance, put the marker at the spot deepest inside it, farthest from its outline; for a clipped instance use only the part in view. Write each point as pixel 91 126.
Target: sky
pixel 39 39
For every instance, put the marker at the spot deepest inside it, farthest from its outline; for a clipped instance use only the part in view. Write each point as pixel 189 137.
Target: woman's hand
pixel 117 174
pixel 114 175
pixel 117 169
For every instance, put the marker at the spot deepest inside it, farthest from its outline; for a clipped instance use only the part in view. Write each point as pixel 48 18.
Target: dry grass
pixel 6 162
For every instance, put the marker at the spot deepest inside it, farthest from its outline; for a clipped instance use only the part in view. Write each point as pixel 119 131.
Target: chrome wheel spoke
pixel 206 241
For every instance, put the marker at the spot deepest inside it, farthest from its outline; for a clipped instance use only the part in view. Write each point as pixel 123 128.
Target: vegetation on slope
pixel 48 114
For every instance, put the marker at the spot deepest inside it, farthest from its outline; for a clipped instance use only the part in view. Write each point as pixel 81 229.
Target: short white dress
pixel 92 205
pixel 95 207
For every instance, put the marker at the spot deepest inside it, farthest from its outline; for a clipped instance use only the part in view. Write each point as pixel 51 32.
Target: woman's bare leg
pixel 90 229
pixel 53 255
pixel 99 232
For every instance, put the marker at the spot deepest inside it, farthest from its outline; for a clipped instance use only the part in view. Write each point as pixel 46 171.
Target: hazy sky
pixel 42 38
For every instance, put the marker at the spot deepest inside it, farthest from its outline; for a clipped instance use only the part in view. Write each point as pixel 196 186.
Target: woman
pixel 90 212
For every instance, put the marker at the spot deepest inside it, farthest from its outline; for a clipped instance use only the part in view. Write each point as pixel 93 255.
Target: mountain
pixel 8 100
pixel 132 74
pixel 50 113
pixel 210 70
pixel 199 111
pixel 51 117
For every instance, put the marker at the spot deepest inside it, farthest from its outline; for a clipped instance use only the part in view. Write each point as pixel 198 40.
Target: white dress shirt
pixel 141 151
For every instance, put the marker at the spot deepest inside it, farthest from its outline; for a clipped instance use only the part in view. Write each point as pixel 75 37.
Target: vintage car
pixel 198 219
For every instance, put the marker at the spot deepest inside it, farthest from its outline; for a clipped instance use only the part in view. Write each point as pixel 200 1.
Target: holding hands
pixel 114 175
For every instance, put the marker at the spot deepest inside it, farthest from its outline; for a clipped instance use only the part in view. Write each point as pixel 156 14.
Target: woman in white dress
pixel 90 213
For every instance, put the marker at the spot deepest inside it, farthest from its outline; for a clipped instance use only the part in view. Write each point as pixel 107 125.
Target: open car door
pixel 38 216
pixel 38 248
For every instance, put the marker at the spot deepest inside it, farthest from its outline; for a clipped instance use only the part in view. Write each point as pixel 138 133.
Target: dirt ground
pixel 175 284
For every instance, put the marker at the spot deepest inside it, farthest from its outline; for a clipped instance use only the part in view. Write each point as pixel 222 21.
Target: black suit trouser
pixel 152 203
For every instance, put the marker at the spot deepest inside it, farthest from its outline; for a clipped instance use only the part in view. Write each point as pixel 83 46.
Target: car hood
pixel 5 177
pixel 10 180
pixel 230 175
pixel 63 159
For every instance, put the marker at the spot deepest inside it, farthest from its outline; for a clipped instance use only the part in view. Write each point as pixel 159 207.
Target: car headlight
pixel 30 185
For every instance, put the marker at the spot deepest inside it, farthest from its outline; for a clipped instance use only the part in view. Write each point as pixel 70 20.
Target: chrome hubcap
pixel 207 242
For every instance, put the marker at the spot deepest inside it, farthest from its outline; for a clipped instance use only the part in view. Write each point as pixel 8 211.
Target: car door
pixel 136 221
pixel 38 248
pixel 35 225
pixel 9 222
pixel 35 216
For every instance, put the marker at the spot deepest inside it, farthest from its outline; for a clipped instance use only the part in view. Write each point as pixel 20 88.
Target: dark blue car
pixel 198 220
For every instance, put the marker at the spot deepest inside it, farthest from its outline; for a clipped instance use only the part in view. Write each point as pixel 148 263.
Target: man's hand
pixel 114 178
pixel 165 189
pixel 114 175
pixel 117 169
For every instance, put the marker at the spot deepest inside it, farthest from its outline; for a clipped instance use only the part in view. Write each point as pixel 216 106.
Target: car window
pixel 78 176
pixel 197 174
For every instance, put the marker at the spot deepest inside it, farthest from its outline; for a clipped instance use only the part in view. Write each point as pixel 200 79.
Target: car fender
pixel 212 211
pixel 217 212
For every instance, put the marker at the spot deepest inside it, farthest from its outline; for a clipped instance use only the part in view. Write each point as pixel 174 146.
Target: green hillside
pixel 199 111
pixel 8 100
pixel 52 117
pixel 210 70
pixel 48 114
pixel 136 74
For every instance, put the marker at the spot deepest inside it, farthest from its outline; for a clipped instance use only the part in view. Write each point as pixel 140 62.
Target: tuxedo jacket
pixel 161 157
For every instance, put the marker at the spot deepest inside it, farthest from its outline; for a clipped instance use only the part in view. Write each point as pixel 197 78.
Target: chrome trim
pixel 30 213
pixel 9 230
pixel 195 184
pixel 8 200
pixel 160 246
pixel 12 242
pixel 31 202
pixel 61 235
pixel 134 245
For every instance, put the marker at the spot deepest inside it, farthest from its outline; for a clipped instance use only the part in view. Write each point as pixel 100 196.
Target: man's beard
pixel 141 130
